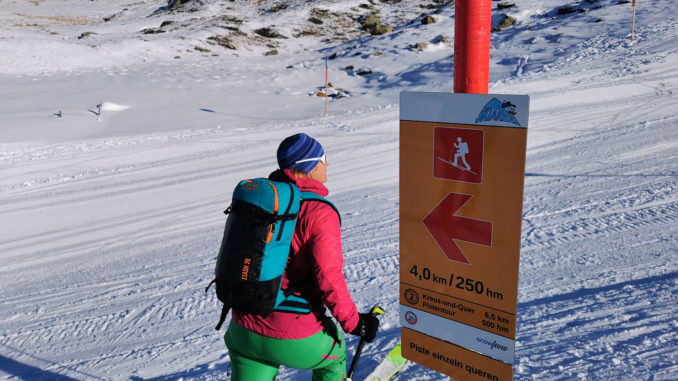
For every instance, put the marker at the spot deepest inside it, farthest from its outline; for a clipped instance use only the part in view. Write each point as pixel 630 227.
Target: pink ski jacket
pixel 316 257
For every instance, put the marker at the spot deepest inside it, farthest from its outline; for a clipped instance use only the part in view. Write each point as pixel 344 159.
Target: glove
pixel 367 327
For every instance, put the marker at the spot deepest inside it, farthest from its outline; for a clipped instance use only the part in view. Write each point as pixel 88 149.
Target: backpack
pixel 255 248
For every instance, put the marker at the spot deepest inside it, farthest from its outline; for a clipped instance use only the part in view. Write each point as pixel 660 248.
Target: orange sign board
pixel 452 360
pixel 462 165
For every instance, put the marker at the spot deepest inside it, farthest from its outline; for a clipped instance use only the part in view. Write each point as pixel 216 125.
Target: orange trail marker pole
pixel 472 27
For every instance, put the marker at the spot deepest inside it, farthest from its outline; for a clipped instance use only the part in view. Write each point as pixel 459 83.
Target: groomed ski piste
pixel 120 146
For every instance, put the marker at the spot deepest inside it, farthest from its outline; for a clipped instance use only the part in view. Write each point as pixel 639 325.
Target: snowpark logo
pixel 498 111
pixel 491 344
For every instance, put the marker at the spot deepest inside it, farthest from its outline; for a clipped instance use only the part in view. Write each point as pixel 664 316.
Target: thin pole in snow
pixel 326 79
pixel 633 22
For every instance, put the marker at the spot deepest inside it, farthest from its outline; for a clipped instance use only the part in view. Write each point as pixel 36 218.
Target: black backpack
pixel 255 248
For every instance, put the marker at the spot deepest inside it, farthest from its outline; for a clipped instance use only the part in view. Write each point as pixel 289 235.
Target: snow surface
pixel 111 220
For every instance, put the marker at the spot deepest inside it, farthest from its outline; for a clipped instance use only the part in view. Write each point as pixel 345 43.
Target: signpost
pixel 462 165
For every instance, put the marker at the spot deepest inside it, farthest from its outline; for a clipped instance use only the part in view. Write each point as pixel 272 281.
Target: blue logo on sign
pixel 492 344
pixel 498 111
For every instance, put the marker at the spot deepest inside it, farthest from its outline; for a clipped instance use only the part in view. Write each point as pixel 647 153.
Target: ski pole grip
pixel 375 311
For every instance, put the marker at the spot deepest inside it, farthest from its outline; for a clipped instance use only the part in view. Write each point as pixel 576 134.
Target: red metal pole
pixel 472 28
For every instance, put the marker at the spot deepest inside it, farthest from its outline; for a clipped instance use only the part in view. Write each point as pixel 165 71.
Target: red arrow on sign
pixel 446 227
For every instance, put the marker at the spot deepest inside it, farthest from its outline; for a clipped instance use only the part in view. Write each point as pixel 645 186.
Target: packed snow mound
pixel 110 106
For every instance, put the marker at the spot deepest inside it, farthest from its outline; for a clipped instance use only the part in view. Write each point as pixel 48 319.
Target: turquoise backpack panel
pixel 256 246
pixel 282 200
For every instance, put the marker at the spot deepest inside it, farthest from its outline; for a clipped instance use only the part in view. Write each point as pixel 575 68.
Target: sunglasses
pixel 322 159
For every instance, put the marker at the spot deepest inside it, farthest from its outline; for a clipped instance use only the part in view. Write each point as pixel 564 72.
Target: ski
pixel 389 366
pixel 456 166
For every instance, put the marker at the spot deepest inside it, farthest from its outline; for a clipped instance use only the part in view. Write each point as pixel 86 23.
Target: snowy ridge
pixel 111 223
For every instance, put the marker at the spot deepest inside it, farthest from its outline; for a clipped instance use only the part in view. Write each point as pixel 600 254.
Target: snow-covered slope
pixel 111 217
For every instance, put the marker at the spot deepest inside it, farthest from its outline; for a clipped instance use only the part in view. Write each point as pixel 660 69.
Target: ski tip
pixel 396 355
pixel 376 310
pixel 391 365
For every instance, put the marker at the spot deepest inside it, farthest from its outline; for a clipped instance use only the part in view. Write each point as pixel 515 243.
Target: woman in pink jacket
pixel 258 345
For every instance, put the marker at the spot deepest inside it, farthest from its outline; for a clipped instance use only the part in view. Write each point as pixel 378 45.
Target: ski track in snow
pixel 602 190
pixel 109 242
pixel 127 311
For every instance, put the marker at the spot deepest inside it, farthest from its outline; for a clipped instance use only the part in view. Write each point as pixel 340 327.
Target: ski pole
pixel 376 310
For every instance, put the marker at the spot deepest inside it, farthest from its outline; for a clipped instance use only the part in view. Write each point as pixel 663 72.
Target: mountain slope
pixel 111 221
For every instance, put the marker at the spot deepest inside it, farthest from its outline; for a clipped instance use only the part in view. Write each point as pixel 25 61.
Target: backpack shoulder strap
pixel 310 196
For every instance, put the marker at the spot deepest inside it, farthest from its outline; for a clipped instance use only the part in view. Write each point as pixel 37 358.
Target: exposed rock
pixel 421 45
pixel 565 10
pixel 428 20
pixel 364 71
pixel 269 33
pixel 221 41
pixel 85 35
pixel 440 40
pixel 506 22
pixel 202 50
pixel 320 13
pixel 232 19
pixel 370 21
pixel 373 25
pixel 234 30
pixel 380 29
pixel 178 5
pixel 506 5
pixel 152 31
pixel 279 8
pixel 309 32
pixel 271 53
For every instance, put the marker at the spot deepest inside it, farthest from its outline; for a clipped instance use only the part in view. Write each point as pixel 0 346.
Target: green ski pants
pixel 257 358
